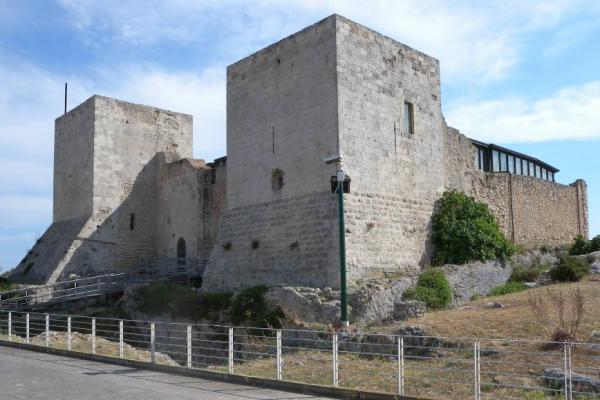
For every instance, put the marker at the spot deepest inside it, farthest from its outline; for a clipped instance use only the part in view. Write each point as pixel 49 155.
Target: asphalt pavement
pixel 29 375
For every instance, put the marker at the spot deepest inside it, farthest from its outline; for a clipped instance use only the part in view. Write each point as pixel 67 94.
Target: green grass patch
pixel 507 288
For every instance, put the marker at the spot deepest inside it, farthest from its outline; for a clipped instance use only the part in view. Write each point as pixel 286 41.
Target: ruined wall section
pixel 190 202
pixel 530 211
pixel 396 175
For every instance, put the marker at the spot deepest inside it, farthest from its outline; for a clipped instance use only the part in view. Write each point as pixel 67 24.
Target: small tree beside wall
pixel 465 230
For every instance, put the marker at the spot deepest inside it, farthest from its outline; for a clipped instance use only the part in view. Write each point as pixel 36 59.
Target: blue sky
pixel 524 74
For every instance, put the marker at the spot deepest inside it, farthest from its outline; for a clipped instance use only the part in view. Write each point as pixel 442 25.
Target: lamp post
pixel 340 176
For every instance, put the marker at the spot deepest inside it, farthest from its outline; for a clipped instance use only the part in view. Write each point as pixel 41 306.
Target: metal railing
pixel 31 297
pixel 419 366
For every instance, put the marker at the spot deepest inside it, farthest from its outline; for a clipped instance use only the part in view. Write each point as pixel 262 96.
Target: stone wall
pixel 396 175
pixel 530 211
pixel 283 242
pixel 282 118
pixel 74 163
pixel 190 202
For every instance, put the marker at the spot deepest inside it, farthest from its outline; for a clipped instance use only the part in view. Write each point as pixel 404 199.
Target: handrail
pixel 97 285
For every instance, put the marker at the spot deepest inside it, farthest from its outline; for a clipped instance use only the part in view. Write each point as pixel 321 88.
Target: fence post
pixel 230 355
pixel 121 339
pixel 279 358
pixel 476 374
pixel 334 339
pixel 189 346
pixel 570 372
pixel 10 326
pixel 47 330
pixel 69 336
pixel 27 328
pixel 566 372
pixel 152 344
pixel 401 366
pixel 93 335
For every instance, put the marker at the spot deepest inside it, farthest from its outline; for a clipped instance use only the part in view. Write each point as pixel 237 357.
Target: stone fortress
pixel 127 192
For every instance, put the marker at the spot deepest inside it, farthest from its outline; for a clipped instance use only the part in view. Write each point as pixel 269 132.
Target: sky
pixel 522 74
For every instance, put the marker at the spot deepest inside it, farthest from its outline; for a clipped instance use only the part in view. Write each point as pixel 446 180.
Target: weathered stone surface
pixel 407 309
pixel 375 301
pixel 305 304
pixel 594 259
pixel 477 278
pixel 535 258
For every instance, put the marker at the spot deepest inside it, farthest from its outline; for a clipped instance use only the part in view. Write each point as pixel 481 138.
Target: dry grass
pixel 513 321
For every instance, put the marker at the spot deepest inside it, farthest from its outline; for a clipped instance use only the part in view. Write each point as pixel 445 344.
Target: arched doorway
pixel 181 251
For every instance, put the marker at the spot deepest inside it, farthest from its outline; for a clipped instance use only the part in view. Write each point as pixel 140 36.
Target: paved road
pixel 28 375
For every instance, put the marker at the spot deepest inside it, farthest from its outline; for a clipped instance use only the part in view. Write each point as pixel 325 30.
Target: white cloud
pixel 571 113
pixel 475 42
pixel 201 94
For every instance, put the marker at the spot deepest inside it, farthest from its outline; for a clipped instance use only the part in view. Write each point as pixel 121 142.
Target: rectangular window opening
pixel 131 222
pixel 409 118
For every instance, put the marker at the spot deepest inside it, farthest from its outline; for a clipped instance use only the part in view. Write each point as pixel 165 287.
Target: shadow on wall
pixel 108 241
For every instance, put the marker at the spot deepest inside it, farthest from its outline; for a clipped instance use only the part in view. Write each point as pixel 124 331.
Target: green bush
pixel 529 274
pixel 249 307
pixel 5 284
pixel 579 246
pixel 466 230
pixel 570 269
pixel 507 288
pixel 595 244
pixel 432 288
pixel 181 301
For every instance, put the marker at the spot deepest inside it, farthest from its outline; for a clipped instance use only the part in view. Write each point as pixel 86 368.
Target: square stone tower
pixel 333 89
pixel 107 158
pixel 102 146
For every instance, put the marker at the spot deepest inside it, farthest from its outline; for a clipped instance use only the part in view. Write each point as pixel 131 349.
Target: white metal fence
pixel 419 366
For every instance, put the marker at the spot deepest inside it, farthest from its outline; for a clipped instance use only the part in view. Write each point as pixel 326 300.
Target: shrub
pixel 568 313
pixel 465 230
pixel 432 288
pixel 178 300
pixel 508 288
pixel 528 274
pixel 5 284
pixel 595 244
pixel 249 307
pixel 570 269
pixel 579 246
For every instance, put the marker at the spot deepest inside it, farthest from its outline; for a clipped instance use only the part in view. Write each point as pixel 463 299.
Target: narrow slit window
pixel 409 118
pixel 131 222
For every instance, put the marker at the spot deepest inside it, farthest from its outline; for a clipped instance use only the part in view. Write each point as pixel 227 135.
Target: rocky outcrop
pixel 310 305
pixel 594 260
pixel 555 379
pixel 376 301
pixel 475 279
